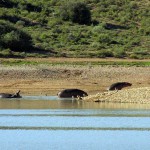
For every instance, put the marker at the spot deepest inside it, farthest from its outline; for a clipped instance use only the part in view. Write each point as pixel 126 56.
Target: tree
pixel 14 38
pixel 77 12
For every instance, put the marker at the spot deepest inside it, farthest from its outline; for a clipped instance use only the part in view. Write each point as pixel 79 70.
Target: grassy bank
pixel 75 62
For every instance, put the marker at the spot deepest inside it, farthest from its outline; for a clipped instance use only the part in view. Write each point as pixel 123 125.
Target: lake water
pixel 49 123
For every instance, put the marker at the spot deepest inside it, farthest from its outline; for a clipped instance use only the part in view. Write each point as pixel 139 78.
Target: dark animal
pixel 119 86
pixel 8 95
pixel 69 93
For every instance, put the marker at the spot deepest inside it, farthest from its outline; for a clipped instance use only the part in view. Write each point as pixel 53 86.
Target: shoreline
pixel 133 95
pixel 49 79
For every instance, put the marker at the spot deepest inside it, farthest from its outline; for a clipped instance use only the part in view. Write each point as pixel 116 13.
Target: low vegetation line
pixel 82 63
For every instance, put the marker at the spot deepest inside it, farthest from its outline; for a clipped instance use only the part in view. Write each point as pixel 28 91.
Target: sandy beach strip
pixel 133 95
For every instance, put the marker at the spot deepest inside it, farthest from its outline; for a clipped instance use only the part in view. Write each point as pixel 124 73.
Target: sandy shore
pixel 49 80
pixel 134 95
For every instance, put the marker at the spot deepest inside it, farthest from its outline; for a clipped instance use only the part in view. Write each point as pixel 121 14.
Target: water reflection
pixel 69 124
pixel 32 102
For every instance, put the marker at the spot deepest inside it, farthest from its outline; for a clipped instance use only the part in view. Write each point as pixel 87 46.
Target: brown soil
pixel 49 80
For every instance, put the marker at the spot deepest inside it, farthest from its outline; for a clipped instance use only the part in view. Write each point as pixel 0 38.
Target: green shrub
pixel 13 38
pixel 104 38
pixel 104 53
pixel 20 23
pixel 98 29
pixel 120 54
pixel 76 12
pixel 134 56
pixel 16 40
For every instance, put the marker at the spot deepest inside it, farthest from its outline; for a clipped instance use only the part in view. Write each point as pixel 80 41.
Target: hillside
pixel 118 28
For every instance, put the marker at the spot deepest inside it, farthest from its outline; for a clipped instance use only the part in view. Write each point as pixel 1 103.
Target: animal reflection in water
pixel 69 93
pixel 8 95
pixel 118 86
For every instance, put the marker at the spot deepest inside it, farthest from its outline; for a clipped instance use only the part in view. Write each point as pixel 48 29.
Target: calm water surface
pixel 49 123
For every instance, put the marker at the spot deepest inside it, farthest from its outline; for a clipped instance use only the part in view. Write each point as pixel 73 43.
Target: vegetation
pixel 31 62
pixel 91 28
pixel 77 12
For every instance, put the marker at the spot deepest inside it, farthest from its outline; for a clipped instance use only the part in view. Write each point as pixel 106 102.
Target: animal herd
pixel 69 93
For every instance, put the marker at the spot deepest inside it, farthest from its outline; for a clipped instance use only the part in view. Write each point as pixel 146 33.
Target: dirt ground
pixel 49 80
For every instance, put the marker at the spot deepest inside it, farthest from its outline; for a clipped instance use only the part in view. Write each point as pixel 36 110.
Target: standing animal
pixel 8 95
pixel 69 93
pixel 119 86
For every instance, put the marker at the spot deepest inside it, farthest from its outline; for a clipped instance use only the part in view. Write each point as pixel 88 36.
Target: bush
pixel 20 23
pixel 16 41
pixel 98 29
pixel 120 54
pixel 104 53
pixel 76 12
pixel 104 38
pixel 13 38
pixel 134 56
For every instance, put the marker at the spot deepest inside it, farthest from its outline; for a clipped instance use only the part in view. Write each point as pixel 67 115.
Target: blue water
pixel 32 124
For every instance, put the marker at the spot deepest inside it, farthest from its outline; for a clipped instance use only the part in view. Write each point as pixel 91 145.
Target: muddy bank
pixel 48 80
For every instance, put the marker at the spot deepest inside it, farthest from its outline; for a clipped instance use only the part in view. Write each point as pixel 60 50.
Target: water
pixel 49 123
